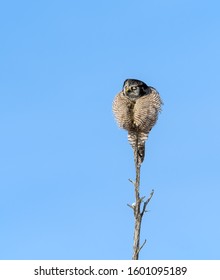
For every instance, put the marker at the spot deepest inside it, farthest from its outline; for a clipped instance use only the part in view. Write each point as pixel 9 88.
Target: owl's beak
pixel 127 89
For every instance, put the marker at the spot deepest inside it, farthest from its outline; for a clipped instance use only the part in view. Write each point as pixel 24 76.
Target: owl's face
pixel 134 89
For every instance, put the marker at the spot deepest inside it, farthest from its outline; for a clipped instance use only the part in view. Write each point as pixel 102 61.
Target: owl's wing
pixel 123 111
pixel 146 110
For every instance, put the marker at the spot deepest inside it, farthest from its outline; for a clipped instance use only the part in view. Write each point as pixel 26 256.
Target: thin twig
pixel 146 203
pixel 131 181
pixel 132 207
pixel 143 244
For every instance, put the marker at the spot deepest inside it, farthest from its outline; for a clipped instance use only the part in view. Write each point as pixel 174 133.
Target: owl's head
pixel 134 89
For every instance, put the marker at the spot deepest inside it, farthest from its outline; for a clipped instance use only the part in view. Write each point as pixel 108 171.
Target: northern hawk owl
pixel 136 110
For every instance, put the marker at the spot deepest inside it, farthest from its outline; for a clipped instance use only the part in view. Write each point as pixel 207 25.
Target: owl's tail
pixel 137 141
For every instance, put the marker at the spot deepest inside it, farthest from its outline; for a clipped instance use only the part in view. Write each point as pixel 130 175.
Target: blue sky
pixel 64 162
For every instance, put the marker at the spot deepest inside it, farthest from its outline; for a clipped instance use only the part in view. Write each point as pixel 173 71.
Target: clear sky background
pixel 64 163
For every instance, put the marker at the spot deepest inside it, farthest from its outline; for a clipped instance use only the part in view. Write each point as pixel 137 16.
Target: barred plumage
pixel 136 110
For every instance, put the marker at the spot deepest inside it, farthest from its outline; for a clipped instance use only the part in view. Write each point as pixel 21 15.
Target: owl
pixel 136 110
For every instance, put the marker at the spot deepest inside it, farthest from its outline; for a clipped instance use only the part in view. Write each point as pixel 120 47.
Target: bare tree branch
pixel 138 213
